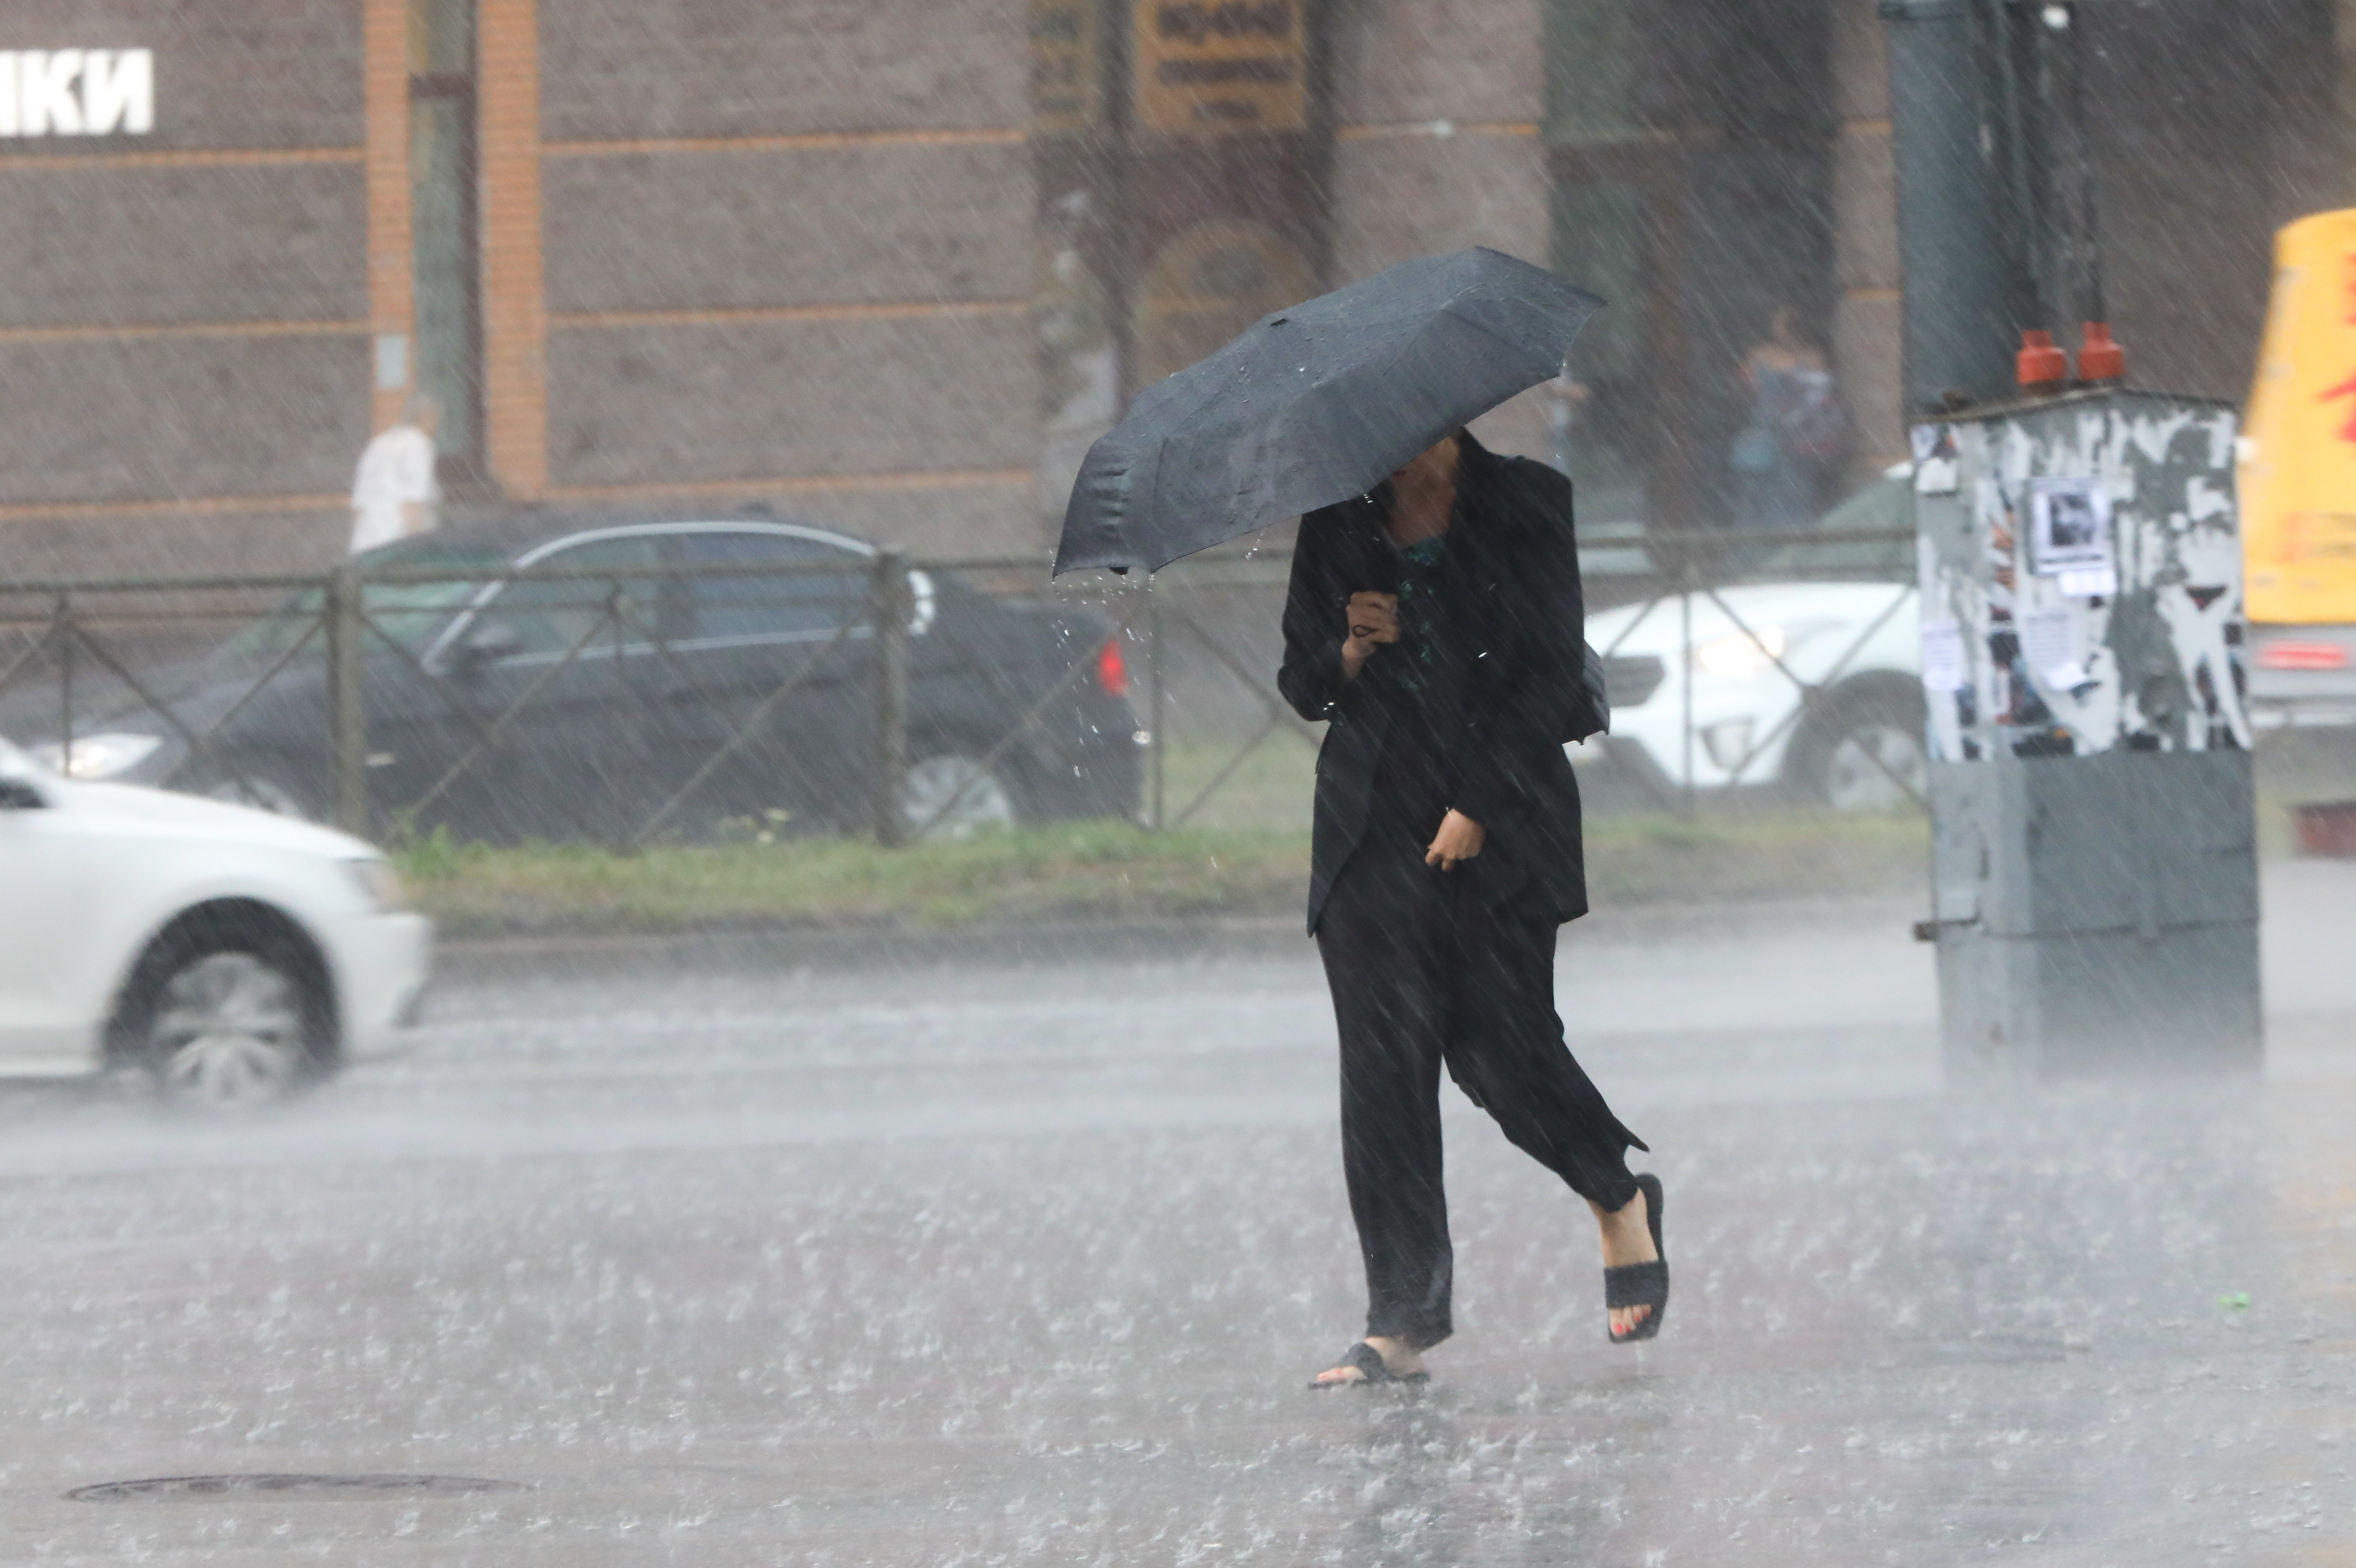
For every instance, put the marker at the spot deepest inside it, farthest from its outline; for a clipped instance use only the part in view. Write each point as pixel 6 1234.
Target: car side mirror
pixel 20 794
pixel 487 643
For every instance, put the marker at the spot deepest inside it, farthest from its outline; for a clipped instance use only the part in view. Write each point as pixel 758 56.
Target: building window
pixel 448 271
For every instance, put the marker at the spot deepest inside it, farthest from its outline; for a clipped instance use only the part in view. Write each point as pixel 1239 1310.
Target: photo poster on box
pixel 2069 526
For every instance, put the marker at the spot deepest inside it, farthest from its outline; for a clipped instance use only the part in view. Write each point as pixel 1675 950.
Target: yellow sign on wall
pixel 2297 473
pixel 1064 75
pixel 1219 67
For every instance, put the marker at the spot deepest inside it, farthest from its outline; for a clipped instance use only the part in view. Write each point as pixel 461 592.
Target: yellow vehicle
pixel 2298 482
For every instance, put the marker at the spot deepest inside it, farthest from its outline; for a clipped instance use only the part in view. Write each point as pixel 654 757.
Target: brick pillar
pixel 1867 335
pixel 514 306
pixel 384 43
pixel 1079 146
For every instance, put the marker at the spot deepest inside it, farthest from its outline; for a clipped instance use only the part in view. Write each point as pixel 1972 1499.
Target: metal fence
pixel 1825 623
pixel 394 701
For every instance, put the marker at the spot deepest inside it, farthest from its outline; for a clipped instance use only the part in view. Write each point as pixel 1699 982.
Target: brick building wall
pixel 727 251
pixel 184 314
pixel 1867 333
pixel 790 250
pixel 789 258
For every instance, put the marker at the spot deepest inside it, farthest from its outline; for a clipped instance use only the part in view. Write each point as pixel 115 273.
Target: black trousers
pixel 1423 972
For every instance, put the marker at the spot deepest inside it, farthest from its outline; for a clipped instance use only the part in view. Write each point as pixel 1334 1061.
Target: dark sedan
pixel 679 674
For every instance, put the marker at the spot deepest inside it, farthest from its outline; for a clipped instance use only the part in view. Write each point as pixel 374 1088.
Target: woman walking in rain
pixel 1436 622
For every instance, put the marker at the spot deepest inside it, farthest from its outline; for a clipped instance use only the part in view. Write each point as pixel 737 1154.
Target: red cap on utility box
pixel 2100 358
pixel 2040 365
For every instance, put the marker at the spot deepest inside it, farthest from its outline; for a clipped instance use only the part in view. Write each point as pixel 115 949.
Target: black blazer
pixel 1514 559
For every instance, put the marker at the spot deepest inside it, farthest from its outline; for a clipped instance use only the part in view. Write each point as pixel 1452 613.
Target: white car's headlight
pixel 95 756
pixel 1739 653
pixel 380 884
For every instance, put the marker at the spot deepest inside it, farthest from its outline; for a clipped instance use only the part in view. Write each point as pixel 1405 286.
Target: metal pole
pixel 890 596
pixel 347 716
pixel 2087 225
pixel 1964 283
pixel 1157 715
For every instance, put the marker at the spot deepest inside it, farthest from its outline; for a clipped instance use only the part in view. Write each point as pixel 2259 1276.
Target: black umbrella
pixel 1316 404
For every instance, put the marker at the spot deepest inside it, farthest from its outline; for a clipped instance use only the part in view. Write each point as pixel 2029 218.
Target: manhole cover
pixel 289 1486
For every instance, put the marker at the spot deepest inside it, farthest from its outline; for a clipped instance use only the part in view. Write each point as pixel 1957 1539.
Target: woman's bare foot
pixel 1403 1359
pixel 1627 1239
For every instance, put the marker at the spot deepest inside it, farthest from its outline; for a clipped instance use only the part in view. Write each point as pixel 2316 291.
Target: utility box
pixel 2094 859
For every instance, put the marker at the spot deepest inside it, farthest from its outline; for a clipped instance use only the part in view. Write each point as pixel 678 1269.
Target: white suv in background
pixel 1845 619
pixel 231 953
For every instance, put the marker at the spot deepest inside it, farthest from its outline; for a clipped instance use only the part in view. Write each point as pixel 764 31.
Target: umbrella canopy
pixel 1317 403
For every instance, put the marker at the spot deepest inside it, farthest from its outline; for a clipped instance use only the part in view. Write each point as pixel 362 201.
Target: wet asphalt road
pixel 731 1263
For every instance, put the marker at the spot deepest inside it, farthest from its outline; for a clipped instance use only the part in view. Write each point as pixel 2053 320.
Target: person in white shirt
pixel 394 493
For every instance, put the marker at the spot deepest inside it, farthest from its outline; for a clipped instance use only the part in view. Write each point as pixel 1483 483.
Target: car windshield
pixel 1886 508
pixel 408 613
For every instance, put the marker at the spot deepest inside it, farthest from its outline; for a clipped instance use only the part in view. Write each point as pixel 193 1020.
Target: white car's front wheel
pixel 1865 753
pixel 1873 768
pixel 223 1014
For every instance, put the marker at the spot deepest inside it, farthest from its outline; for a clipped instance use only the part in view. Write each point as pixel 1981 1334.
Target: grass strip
pixel 1092 872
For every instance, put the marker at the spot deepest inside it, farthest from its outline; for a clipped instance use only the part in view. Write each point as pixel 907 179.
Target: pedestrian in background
pixel 1437 624
pixel 1798 430
pixel 394 492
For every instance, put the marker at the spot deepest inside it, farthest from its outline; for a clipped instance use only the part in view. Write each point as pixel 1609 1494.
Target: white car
pixel 231 953
pixel 1712 688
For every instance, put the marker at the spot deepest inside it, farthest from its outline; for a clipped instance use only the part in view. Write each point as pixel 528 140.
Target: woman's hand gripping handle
pixel 1374 622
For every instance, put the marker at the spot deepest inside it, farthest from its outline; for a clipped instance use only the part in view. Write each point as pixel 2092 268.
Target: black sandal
pixel 1372 1368
pixel 1641 1285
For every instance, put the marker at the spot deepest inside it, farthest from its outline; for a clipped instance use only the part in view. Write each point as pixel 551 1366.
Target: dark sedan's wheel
pixel 1865 753
pixel 224 1019
pixel 953 793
